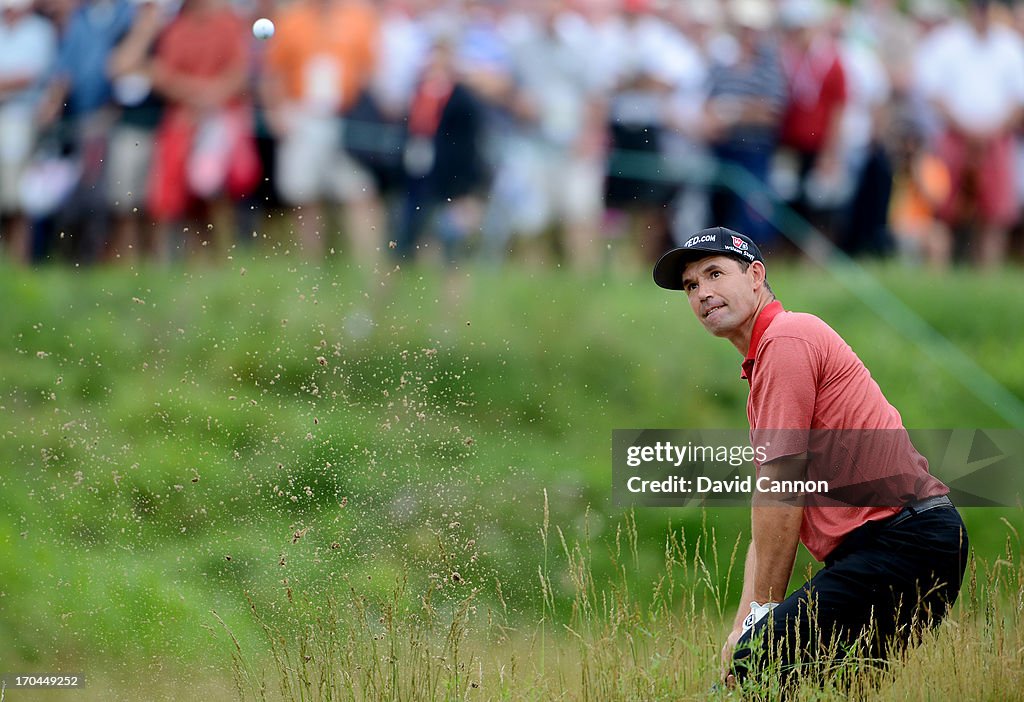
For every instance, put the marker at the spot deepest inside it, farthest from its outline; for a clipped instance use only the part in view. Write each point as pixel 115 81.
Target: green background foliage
pixel 173 439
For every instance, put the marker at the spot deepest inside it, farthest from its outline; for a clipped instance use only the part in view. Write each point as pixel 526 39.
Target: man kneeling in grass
pixel 893 544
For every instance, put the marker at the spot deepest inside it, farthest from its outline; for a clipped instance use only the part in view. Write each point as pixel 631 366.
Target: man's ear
pixel 757 269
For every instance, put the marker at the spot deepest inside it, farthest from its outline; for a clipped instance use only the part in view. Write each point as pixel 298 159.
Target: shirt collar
pixel 771 310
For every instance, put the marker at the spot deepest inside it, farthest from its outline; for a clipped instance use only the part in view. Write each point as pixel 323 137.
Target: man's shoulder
pixel 800 325
pixel 823 341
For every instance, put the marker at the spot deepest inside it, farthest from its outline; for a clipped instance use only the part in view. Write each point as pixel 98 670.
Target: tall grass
pixel 608 644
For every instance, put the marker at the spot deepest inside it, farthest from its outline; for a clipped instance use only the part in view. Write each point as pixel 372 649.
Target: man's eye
pixel 715 274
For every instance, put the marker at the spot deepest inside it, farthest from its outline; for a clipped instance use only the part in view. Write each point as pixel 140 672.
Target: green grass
pixel 160 429
pixel 611 642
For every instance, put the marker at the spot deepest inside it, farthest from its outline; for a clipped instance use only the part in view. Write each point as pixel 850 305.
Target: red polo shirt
pixel 817 86
pixel 807 389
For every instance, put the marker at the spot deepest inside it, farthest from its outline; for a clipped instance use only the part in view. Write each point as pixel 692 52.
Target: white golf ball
pixel 263 28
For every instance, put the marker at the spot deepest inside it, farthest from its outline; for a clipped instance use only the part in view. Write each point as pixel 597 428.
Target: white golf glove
pixel 757 613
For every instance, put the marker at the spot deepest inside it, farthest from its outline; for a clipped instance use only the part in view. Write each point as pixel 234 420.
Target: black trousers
pixel 882 587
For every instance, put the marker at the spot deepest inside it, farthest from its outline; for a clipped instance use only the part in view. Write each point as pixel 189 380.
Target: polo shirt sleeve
pixel 782 395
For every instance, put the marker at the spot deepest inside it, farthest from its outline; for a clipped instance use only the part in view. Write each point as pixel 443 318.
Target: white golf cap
pixel 752 14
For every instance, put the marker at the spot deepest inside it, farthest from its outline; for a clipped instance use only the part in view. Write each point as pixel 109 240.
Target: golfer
pixel 893 544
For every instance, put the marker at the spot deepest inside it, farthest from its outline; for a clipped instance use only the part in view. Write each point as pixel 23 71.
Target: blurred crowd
pixel 573 129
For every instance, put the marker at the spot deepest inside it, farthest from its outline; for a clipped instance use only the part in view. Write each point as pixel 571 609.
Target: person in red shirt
pixel 817 99
pixel 204 156
pixel 887 531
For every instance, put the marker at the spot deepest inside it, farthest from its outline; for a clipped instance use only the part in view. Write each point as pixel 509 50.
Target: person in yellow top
pixel 317 64
pixel 921 186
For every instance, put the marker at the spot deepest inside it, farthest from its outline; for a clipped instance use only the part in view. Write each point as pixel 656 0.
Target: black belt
pixel 866 533
pixel 912 508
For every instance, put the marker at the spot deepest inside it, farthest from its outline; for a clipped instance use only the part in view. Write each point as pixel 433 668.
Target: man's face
pixel 721 293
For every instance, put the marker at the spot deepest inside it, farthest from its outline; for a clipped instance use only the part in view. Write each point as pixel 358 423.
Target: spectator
pixel 921 187
pixel 443 160
pixel 551 175
pixel 680 92
pixel 637 192
pixel 133 135
pixel 204 154
pixel 976 81
pixel 318 63
pixel 28 46
pixel 682 142
pixel 80 95
pixel 817 97
pixel 742 115
pixel 931 18
pixel 866 162
pixel 404 44
pixel 376 132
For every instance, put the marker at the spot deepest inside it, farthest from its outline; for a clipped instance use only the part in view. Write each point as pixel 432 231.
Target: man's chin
pixel 716 326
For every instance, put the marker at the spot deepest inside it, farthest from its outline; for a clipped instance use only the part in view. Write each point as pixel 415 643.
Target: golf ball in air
pixel 263 28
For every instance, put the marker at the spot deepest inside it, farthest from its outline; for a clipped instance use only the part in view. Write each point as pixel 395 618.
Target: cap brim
pixel 668 271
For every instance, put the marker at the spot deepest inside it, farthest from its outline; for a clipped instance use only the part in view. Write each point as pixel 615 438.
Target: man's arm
pixel 775 532
pixel 15 84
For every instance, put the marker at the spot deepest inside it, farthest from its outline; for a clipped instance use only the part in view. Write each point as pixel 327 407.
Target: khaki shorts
pixel 547 186
pixel 17 139
pixel 129 159
pixel 313 165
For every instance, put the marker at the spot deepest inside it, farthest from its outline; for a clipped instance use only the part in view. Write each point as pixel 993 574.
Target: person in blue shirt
pixel 79 105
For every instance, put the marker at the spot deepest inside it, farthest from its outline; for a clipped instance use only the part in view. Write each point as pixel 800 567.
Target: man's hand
pixel 727 650
pixel 775 531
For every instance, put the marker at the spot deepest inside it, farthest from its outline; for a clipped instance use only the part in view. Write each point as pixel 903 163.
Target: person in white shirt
pixel 28 48
pixel 550 172
pixel 975 79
